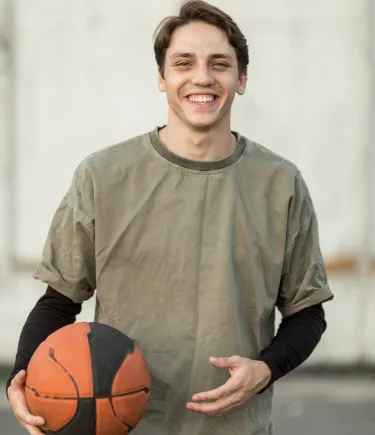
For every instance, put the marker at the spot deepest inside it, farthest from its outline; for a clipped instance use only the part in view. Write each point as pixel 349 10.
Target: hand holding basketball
pixel 17 400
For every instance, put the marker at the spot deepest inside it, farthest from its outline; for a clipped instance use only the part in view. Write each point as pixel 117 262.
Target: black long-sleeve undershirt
pixel 296 338
pixel 52 312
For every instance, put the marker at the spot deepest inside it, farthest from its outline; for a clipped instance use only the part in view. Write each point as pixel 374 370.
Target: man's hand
pixel 248 377
pixel 17 400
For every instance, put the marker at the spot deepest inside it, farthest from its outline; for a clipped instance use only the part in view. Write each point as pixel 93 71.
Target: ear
pixel 242 83
pixel 161 82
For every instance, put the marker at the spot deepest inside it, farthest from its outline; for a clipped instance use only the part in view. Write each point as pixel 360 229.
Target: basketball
pixel 88 378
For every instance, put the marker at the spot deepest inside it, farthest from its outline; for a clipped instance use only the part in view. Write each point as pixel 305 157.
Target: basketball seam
pixel 64 422
pixel 145 389
pixel 51 354
pixel 49 397
pixel 124 422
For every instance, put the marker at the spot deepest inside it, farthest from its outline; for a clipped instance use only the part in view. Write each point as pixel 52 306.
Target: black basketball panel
pixel 108 348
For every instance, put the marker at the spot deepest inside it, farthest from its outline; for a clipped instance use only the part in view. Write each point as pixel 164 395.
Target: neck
pixel 200 145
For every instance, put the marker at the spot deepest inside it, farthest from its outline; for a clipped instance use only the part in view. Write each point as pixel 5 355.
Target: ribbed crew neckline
pixel 196 165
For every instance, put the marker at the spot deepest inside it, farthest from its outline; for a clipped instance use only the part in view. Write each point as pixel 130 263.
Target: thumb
pixel 225 362
pixel 19 380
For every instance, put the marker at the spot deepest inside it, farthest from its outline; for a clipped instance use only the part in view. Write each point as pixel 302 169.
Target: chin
pixel 202 125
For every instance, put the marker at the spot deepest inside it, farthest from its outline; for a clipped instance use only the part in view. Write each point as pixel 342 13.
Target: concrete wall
pixel 81 75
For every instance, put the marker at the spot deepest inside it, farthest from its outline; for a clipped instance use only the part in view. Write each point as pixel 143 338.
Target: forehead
pixel 200 38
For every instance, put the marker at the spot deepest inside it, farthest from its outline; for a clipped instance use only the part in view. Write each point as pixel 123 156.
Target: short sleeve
pixel 68 259
pixel 304 279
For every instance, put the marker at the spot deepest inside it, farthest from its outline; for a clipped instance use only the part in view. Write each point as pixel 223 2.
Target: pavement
pixel 303 405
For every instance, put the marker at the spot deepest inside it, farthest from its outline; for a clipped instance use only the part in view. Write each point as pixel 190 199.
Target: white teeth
pixel 201 98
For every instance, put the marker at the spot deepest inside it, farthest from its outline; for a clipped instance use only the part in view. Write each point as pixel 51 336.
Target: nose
pixel 202 77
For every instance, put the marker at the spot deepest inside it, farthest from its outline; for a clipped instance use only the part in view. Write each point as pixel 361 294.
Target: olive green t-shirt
pixel 189 259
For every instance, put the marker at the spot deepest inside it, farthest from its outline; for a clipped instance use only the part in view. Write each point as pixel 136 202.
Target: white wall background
pixel 84 77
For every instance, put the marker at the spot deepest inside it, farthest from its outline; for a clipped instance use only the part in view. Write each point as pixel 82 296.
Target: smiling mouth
pixel 201 99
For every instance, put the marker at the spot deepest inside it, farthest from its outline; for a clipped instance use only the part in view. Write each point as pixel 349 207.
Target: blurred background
pixel 78 75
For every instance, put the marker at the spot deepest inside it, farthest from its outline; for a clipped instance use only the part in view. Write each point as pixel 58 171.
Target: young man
pixel 190 235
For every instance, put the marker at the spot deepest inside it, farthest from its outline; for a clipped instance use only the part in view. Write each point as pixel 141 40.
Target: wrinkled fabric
pixel 189 259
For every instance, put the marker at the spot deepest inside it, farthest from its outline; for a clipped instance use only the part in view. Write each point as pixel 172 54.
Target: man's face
pixel 201 76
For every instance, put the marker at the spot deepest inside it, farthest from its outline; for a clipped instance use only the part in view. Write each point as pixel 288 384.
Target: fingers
pixel 24 416
pixel 219 407
pixel 235 392
pixel 225 398
pixel 17 400
pixel 32 429
pixel 229 362
pixel 22 412
pixel 228 388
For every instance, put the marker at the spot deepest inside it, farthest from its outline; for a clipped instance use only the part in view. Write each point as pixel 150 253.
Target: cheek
pixel 230 84
pixel 173 83
pixel 176 84
pixel 174 92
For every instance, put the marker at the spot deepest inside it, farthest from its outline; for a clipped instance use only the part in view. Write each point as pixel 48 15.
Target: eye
pixel 221 65
pixel 183 64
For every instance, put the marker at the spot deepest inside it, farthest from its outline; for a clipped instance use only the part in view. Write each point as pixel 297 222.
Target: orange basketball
pixel 88 378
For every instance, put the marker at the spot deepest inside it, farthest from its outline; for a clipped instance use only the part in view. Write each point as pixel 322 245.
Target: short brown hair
pixel 199 10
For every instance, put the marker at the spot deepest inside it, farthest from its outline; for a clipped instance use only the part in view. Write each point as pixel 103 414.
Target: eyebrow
pixel 211 56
